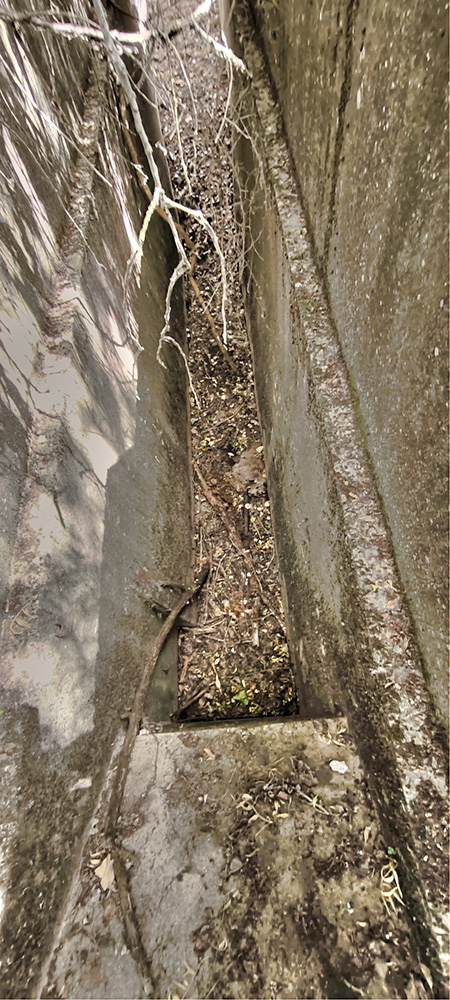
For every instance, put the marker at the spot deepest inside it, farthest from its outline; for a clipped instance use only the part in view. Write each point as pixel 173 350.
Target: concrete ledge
pixel 350 632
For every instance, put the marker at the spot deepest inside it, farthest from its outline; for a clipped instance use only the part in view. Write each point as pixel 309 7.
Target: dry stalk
pixel 161 199
pixel 123 763
pixel 174 49
pixel 136 258
pixel 115 43
pixel 235 539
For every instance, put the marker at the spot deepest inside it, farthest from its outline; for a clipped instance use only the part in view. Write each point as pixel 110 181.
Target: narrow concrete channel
pixel 302 852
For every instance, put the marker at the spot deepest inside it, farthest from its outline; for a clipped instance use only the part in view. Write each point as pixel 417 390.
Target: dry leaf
pixel 339 766
pixel 426 974
pixel 391 604
pixel 81 784
pixel 105 872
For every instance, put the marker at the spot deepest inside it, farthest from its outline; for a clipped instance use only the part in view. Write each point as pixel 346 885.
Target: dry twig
pixel 235 538
pixel 136 257
pixel 123 762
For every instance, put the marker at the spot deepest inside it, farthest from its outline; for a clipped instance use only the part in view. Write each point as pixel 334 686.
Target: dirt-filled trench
pixel 235 662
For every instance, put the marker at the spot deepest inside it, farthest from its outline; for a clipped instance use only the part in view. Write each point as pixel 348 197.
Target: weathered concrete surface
pixel 254 871
pixel 93 439
pixel 362 90
pixel 350 632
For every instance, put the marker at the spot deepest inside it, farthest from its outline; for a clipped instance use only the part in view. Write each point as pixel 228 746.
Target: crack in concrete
pixel 351 13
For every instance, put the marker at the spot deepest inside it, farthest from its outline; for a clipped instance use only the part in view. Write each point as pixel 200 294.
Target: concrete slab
pixel 253 859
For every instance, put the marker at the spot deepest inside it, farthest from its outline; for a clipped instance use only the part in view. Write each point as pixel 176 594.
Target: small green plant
pixel 241 695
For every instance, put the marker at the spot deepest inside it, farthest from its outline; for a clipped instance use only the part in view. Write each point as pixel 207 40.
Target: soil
pixel 235 663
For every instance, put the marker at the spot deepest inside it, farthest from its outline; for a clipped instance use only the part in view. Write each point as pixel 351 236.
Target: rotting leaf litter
pixel 235 663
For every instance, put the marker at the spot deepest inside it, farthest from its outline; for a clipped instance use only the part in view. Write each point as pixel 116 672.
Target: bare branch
pixel 225 114
pixel 159 198
pixel 195 213
pixel 191 21
pixel 174 49
pixel 126 39
pixel 135 259
pixel 125 82
pixel 223 50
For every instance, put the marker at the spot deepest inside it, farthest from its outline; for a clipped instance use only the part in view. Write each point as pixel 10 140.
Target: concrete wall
pixel 95 476
pixel 350 633
pixel 361 87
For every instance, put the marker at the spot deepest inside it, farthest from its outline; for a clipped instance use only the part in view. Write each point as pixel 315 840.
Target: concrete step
pixel 253 861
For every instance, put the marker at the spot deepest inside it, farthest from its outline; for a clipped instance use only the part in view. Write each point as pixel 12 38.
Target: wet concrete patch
pixel 254 858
